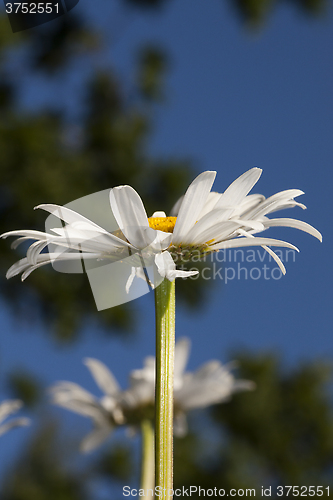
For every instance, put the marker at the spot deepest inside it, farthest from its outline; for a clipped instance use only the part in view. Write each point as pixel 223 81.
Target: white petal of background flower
pixel 7 408
pixel 212 383
pixel 103 377
pixel 182 352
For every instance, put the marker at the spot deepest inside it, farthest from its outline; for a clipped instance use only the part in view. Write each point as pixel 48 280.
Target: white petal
pixel 8 407
pixel 73 237
pixel 276 258
pixel 192 205
pixel 139 394
pixel 149 364
pixel 253 224
pixel 17 422
pixel 297 224
pixel 178 273
pixel 68 215
pixel 182 351
pixel 167 268
pixel 164 263
pixel 111 405
pixel 130 280
pixel 65 391
pixel 276 206
pixel 18 242
pixel 244 242
pixel 96 438
pixel 217 232
pixel 278 199
pixel 147 373
pixel 73 397
pixel 235 193
pixel 82 406
pixel 202 230
pixel 34 250
pixel 269 251
pixel 158 240
pixel 78 222
pixel 43 259
pixel 83 244
pixel 130 214
pixel 244 385
pixel 27 233
pixel 142 385
pixel 282 206
pixel 249 203
pixel 103 377
pixel 214 226
pixel 180 427
pixel 212 199
pixel 211 384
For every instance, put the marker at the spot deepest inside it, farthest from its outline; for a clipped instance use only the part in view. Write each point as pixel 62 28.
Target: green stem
pixel 147 463
pixel 165 353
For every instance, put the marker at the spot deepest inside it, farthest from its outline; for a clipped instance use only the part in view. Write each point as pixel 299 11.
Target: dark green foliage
pixel 46 158
pixel 117 464
pixel 151 75
pixel 55 44
pixel 25 387
pixel 312 6
pixel 43 472
pixel 287 421
pixel 279 434
pixel 147 3
pixel 255 12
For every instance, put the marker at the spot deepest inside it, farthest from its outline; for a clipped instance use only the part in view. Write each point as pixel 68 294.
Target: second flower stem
pixel 165 353
pixel 147 463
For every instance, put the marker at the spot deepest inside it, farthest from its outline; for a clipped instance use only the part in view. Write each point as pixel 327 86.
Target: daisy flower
pixel 212 383
pixel 7 408
pixel 201 222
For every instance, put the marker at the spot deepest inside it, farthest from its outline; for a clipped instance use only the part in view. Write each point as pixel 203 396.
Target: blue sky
pixel 235 100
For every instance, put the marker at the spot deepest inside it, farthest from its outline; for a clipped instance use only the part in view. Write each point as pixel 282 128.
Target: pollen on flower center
pixel 165 224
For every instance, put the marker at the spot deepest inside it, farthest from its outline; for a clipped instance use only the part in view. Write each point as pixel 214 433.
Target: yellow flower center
pixel 165 224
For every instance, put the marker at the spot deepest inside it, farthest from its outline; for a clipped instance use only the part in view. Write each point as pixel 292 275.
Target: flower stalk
pixel 165 354
pixel 147 461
